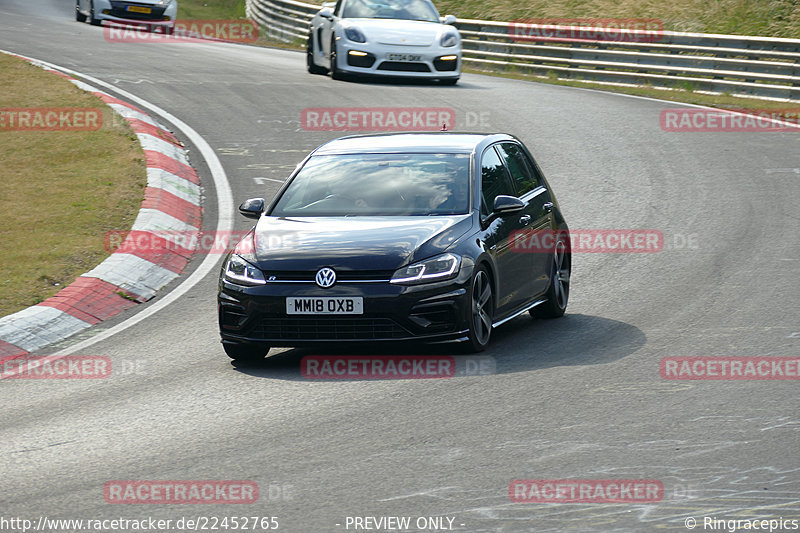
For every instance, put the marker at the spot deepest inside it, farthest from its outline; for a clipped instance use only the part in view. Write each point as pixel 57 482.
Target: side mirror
pixel 506 205
pixel 450 19
pixel 326 13
pixel 252 208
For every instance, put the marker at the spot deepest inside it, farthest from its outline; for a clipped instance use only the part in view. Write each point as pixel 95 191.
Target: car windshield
pixel 393 9
pixel 378 185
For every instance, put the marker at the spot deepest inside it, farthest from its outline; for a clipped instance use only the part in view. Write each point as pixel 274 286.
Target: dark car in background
pixel 396 237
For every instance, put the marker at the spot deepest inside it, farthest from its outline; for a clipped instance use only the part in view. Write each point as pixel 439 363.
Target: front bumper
pixel 118 11
pixel 399 61
pixel 430 312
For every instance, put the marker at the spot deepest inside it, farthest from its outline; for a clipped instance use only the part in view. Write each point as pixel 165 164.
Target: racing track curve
pixel 580 397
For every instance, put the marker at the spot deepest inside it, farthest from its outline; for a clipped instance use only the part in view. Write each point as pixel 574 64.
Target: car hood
pixel 352 243
pixel 398 32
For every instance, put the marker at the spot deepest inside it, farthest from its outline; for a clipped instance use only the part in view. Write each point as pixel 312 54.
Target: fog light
pixel 357 58
pixel 446 63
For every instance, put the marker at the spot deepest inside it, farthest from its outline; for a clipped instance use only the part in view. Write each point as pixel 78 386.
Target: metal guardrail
pixel 734 64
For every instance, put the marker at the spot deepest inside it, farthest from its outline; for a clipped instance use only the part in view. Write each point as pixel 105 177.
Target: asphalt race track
pixel 571 399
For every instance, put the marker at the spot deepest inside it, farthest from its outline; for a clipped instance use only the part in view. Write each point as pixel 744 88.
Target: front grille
pixel 404 66
pixel 324 328
pixel 361 275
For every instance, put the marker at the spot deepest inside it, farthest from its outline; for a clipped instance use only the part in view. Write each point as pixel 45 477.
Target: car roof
pixel 428 142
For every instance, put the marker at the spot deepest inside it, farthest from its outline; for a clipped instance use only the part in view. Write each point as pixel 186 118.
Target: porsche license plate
pixel 140 9
pixel 327 305
pixel 404 57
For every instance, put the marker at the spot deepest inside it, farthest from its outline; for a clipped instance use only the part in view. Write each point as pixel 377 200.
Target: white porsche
pixel 403 38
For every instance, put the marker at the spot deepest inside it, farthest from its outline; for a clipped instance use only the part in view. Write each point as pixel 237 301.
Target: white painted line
pixel 224 215
pixel 85 86
pixel 261 180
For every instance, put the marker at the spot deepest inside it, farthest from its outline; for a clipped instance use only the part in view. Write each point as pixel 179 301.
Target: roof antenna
pixel 444 126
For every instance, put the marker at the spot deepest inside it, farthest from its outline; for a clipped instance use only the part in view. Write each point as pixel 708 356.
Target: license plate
pixel 140 9
pixel 403 57
pixel 324 306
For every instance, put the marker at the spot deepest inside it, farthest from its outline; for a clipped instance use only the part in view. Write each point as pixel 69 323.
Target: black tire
pixel 313 68
pixel 246 353
pixel 448 81
pixel 80 17
pixel 558 292
pixel 336 74
pixel 93 21
pixel 481 311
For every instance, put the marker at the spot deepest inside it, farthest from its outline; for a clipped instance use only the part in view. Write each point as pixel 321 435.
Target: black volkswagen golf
pixel 395 237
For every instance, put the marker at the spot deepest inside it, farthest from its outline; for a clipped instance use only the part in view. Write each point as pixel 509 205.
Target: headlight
pixel 437 268
pixel 165 3
pixel 355 35
pixel 449 39
pixel 241 272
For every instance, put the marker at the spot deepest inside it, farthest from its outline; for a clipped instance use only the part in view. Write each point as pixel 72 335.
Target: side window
pixel 522 172
pixel 494 180
pixel 337 9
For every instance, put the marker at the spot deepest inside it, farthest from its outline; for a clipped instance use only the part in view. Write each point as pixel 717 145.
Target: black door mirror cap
pixel 252 207
pixel 506 205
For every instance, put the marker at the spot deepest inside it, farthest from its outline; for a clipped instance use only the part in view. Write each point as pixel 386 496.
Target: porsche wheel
pixel 313 68
pixel 92 20
pixel 336 74
pixel 80 17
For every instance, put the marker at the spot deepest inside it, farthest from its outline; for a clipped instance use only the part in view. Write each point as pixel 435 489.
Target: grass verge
pixel 770 18
pixel 211 9
pixel 62 190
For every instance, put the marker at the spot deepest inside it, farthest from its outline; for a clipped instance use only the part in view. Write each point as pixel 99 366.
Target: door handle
pixel 548 206
pixel 525 220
